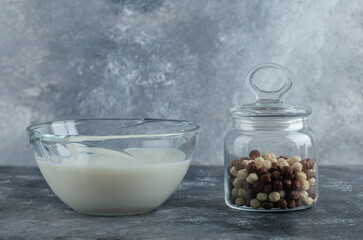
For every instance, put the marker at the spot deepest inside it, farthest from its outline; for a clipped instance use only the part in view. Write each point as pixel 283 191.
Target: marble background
pixel 178 59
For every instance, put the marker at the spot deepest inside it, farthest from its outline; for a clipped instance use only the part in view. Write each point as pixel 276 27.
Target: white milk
pixel 106 182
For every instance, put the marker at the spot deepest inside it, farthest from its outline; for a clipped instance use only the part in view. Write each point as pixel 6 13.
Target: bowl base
pixel 110 213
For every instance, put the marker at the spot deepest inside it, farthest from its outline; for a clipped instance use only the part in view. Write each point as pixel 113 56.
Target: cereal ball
pixel 304 196
pixel 255 203
pixel 242 174
pixel 272 160
pixel 249 194
pixel 274 196
pixel 266 179
pixel 266 164
pixel 267 205
pixel 312 192
pixel 286 184
pixel 234 192
pixel 257 186
pixel 296 185
pixel 266 156
pixel 310 174
pixel 233 199
pixel 252 167
pixel 305 185
pixel 294 195
pixel 297 167
pixel 276 175
pixel 240 192
pixel 282 203
pixel 274 167
pixel 267 188
pixel 246 185
pixel 291 203
pixel 240 165
pixel 282 162
pixel 298 203
pixel 233 171
pixel 244 158
pixel 293 160
pixel 252 178
pixel 287 172
pixel 277 186
pixel 262 171
pixel 301 176
pixel 259 161
pixel 283 157
pixel 254 154
pixel 246 162
pixel 247 202
pixel 239 202
pixel 310 163
pixel 261 196
pixel 230 183
pixel 237 182
pixel 282 194
pixel 272 155
pixel 309 201
pixel 229 170
pixel 311 181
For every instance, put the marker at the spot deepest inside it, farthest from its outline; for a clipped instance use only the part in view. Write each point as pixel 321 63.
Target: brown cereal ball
pixel 277 186
pixel 310 174
pixel 262 171
pixel 267 205
pixel 274 167
pixel 249 194
pixel 286 184
pixel 310 163
pixel 267 188
pixel 282 204
pixel 294 195
pixel 255 203
pixel 276 175
pixel 254 154
pixel 287 171
pixel 229 170
pixel 296 185
pixel 257 186
pixel 266 179
pixel 246 185
pixel 298 203
pixel 252 167
pixel 240 165
pixel 312 192
pixel 291 203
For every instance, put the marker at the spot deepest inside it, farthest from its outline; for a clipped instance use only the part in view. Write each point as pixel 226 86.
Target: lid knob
pixel 263 96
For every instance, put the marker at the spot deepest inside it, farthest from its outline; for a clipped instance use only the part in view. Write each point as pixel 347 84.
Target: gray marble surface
pixel 178 59
pixel 29 210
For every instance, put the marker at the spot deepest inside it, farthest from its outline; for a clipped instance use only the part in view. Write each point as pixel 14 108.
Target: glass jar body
pixel 283 176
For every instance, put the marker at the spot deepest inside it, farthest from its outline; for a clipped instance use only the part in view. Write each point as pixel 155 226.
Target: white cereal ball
pixel 259 161
pixel 301 176
pixel 246 162
pixel 241 192
pixel 309 201
pixel 282 194
pixel 305 185
pixel 282 162
pixel 235 192
pixel 255 203
pixel 311 181
pixel 304 196
pixel 266 164
pixel 233 171
pixel 252 178
pixel 273 160
pixel 242 174
pixel 261 196
pixel 297 167
pixel 274 196
pixel 293 160
pixel 237 182
pixel 266 156
pixel 239 202
pixel 272 155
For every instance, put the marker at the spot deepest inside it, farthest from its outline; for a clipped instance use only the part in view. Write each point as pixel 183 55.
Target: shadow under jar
pixel 271 153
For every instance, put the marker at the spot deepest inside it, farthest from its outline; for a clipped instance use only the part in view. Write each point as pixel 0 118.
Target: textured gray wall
pixel 181 60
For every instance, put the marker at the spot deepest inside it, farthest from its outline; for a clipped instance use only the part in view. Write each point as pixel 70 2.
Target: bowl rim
pixel 32 129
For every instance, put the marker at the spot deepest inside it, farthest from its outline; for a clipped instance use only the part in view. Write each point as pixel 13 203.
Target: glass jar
pixel 271 153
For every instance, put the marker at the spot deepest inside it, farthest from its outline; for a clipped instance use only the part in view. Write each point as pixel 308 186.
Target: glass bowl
pixel 113 166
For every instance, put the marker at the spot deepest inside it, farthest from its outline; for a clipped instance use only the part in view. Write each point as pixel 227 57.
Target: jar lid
pixel 269 103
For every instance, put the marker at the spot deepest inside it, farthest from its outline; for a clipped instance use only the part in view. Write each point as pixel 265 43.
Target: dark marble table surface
pixel 30 210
